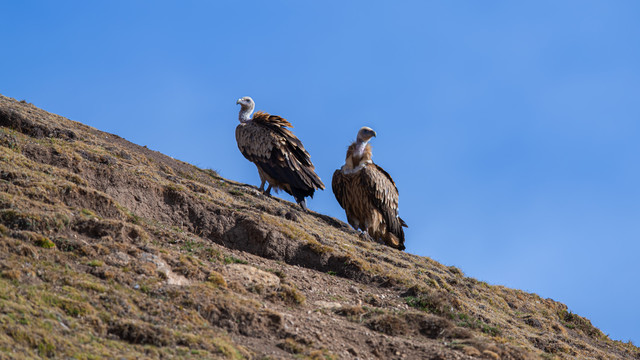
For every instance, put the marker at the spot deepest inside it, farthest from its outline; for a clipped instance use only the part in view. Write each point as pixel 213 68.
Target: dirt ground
pixel 110 249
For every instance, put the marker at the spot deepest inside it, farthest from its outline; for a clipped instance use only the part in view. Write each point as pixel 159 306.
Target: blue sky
pixel 512 129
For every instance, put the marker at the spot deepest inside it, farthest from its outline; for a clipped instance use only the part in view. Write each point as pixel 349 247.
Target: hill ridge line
pixel 130 252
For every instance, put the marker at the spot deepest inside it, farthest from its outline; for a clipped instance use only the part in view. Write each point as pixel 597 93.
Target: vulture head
pixel 246 102
pixel 246 108
pixel 365 134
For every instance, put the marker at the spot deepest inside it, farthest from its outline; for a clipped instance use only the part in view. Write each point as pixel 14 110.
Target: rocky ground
pixel 111 250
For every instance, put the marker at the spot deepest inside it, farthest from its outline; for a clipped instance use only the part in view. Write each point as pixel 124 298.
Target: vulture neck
pixel 358 154
pixel 245 113
pixel 358 151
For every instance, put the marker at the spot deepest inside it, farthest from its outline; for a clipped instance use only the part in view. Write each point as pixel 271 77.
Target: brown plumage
pixel 278 154
pixel 368 194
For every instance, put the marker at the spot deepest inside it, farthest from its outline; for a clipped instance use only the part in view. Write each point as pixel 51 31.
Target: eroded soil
pixel 110 249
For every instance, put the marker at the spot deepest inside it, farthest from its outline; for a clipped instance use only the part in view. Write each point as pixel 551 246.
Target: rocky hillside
pixel 111 250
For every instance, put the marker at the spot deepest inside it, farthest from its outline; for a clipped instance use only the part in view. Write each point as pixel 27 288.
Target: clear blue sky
pixel 511 128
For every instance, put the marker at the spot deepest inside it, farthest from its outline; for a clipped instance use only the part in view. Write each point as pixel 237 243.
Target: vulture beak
pixel 238 102
pixel 374 133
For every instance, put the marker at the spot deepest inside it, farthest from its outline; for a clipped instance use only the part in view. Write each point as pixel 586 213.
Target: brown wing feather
pixel 278 153
pixel 266 118
pixel 337 185
pixel 383 192
pixel 352 197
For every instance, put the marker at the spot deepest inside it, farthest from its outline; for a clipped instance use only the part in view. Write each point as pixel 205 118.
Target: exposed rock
pixel 113 250
pixel 250 276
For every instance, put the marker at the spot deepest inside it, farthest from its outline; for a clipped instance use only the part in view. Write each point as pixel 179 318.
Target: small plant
pixel 573 321
pixel 491 330
pixel 10 274
pixel 456 345
pixel 468 322
pixel 46 348
pixel 332 273
pixel 434 302
pixel 291 346
pixel 191 246
pixel 234 260
pixel 212 254
pixel 217 279
pixel 278 273
pixel 235 192
pixel 213 173
pixel 88 213
pixel 454 270
pixel 65 244
pixel 289 295
pixel 95 263
pixel 318 248
pixel 44 242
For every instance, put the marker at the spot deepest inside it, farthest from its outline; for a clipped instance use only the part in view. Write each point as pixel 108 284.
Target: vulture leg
pixel 262 184
pixel 303 204
pixel 364 236
pixel 268 191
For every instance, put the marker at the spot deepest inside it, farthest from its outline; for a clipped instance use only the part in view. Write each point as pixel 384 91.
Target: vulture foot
pixel 364 236
pixel 303 204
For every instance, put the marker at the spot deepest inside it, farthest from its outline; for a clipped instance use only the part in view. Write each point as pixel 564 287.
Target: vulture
pixel 278 154
pixel 368 194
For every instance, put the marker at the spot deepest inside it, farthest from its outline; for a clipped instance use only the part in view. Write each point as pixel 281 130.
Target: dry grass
pixel 89 223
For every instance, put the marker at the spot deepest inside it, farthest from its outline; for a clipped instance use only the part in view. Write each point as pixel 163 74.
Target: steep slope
pixel 110 249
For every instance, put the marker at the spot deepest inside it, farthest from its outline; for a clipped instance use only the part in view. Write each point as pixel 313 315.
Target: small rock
pixel 172 278
pixel 490 355
pixel 119 259
pixel 328 304
pixel 251 276
pixel 531 321
pixel 471 351
pixel 291 215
